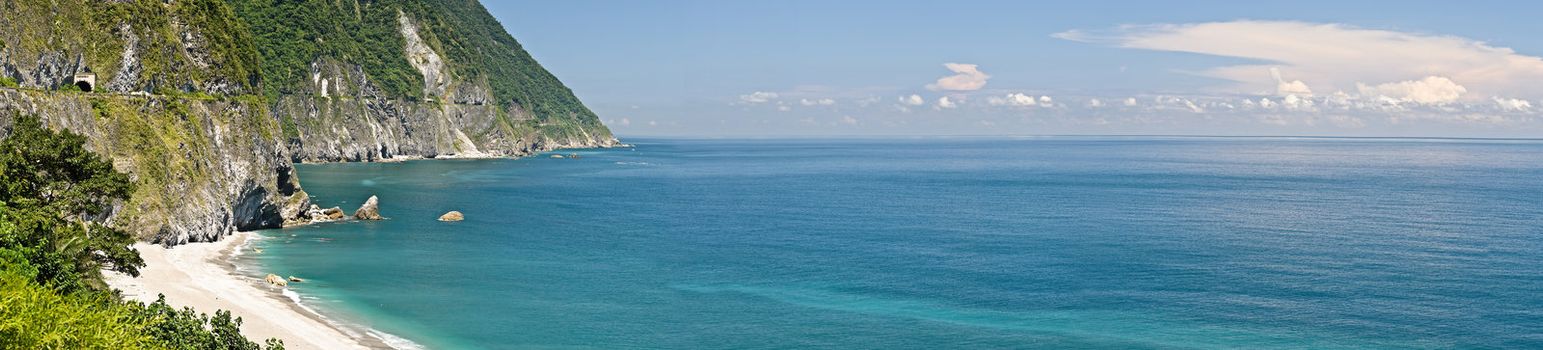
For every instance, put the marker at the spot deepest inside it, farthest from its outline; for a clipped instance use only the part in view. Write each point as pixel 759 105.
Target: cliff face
pixel 202 168
pixel 347 119
pixel 209 133
pixel 442 79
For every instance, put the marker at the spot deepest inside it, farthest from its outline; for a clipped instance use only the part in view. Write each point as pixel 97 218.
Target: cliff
pixel 208 117
pixel 408 79
pixel 201 168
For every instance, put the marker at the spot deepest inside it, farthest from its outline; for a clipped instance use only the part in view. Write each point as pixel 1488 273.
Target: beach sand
pixel 200 275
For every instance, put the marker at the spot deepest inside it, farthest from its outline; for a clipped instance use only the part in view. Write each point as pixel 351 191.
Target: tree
pixel 53 193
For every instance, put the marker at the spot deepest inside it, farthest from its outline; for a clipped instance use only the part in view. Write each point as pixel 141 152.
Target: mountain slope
pixel 208 102
pixel 361 80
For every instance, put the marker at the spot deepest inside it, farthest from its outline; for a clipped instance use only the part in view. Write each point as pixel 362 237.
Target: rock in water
pixel 295 279
pixel 452 216
pixel 333 213
pixel 276 280
pixel 369 211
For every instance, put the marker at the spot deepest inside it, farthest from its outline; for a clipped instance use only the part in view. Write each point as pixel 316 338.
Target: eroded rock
pixel 370 210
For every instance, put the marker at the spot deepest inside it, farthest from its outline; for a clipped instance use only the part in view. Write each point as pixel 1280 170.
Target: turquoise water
pixel 1096 243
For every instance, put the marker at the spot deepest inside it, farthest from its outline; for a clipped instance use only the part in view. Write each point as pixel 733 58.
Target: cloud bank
pixel 1337 57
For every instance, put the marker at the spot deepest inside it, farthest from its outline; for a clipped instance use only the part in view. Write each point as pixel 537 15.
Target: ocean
pixel 939 243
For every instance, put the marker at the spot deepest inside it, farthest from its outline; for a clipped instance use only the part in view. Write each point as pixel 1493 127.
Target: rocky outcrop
pixel 275 280
pixel 317 214
pixel 369 211
pixel 452 216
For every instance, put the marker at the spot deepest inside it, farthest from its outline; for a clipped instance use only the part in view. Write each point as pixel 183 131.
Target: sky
pixel 839 68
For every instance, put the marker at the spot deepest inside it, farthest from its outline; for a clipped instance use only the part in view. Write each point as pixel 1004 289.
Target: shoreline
pixel 202 276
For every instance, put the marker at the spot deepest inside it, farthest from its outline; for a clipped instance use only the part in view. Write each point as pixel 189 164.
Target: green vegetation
pixel 51 187
pixel 184 45
pixel 52 251
pixel 291 34
pixel 8 82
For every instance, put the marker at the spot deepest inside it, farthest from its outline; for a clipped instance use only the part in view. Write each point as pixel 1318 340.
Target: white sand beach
pixel 199 275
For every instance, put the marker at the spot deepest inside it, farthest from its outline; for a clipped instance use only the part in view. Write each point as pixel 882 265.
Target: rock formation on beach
pixel 369 211
pixel 276 280
pixel 452 216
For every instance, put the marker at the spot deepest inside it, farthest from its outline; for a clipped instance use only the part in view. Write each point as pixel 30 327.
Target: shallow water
pixel 1114 243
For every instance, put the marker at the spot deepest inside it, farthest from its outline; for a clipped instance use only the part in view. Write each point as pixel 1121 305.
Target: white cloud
pixel 967 77
pixel 913 100
pixel 818 102
pixel 1335 56
pixel 1013 99
pixel 1192 107
pixel 944 102
pixel 625 122
pixel 848 120
pixel 1045 100
pixel 1513 105
pixel 1130 102
pixel 757 97
pixel 1297 103
pixel 1294 87
pixel 1095 103
pixel 784 108
pixel 1431 90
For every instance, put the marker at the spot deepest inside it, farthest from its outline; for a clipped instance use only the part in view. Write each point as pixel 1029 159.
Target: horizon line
pixel 1455 138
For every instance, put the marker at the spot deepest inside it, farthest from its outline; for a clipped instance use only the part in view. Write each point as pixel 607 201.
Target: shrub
pixel 52 254
pixel 33 316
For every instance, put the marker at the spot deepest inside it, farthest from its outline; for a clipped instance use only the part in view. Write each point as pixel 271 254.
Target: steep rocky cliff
pixel 202 168
pixel 409 79
pixel 208 117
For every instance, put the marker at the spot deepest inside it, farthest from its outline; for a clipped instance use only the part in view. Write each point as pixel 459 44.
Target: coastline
pixel 201 275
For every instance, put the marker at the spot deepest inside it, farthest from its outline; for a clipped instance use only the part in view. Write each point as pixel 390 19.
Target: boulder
pixel 333 213
pixel 276 280
pixel 370 210
pixel 295 279
pixel 452 216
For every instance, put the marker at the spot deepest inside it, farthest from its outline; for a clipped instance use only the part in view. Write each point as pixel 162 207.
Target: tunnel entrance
pixel 85 81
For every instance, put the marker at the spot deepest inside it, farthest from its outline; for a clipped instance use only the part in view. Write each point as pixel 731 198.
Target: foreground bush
pixel 53 249
pixel 33 316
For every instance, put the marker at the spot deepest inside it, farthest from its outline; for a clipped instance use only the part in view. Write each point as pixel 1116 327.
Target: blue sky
pixel 729 68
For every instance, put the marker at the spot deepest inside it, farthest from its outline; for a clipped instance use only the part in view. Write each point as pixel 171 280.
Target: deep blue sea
pixel 940 243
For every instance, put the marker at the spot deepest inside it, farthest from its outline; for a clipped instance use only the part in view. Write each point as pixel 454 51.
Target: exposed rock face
pixel 452 216
pixel 346 119
pixel 369 211
pixel 422 57
pixel 202 169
